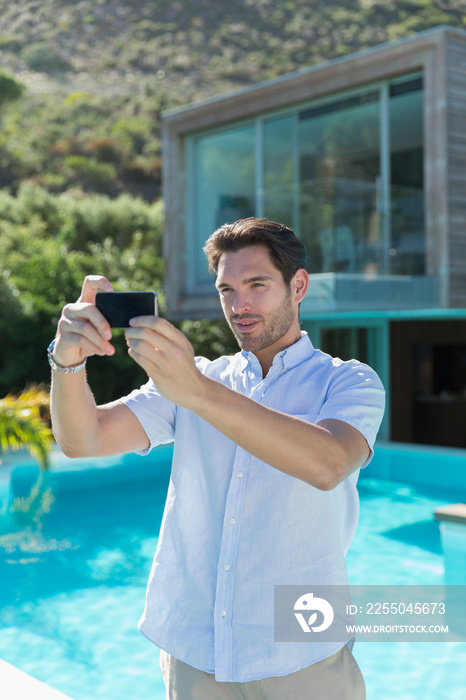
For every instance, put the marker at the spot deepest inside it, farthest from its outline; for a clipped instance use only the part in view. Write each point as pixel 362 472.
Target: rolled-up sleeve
pixel 356 396
pixel 155 413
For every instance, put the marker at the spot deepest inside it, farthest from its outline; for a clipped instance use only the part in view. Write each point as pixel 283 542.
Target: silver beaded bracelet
pixel 59 368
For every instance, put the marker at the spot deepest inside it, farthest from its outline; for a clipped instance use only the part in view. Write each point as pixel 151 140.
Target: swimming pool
pixel 72 590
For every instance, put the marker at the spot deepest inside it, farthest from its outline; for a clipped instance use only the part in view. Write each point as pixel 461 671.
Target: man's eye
pixel 257 284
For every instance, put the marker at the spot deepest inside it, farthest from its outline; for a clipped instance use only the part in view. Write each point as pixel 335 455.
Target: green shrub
pixel 41 56
pixel 10 88
pixel 209 338
pixel 48 244
pixel 42 269
pixel 79 219
pixel 88 172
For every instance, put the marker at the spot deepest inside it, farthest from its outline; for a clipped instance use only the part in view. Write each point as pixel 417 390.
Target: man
pixel 268 444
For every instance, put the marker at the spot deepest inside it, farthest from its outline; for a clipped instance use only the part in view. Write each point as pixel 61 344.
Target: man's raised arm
pixel 81 428
pixel 322 455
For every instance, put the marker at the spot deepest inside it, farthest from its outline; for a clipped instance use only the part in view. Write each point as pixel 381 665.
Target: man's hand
pixel 82 330
pixel 81 428
pixel 167 357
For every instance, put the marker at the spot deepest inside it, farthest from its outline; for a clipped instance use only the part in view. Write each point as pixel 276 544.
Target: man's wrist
pixel 61 368
pixel 199 397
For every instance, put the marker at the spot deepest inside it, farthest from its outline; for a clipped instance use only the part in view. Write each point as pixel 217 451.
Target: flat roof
pixel 308 70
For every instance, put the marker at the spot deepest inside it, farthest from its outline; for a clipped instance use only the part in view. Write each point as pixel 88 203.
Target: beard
pixel 275 328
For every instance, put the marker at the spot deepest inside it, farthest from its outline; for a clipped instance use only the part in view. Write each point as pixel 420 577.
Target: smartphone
pixel 119 307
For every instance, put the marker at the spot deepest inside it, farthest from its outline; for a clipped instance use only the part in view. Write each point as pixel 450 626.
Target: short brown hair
pixel 287 252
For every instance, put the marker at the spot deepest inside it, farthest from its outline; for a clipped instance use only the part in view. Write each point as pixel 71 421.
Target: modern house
pixel 365 158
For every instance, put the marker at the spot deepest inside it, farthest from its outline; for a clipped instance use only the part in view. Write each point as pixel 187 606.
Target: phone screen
pixel 119 307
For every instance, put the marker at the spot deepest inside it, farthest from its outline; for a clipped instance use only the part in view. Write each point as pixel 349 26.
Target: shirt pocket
pixel 278 473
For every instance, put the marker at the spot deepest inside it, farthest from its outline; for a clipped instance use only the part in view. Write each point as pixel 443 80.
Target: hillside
pixel 99 72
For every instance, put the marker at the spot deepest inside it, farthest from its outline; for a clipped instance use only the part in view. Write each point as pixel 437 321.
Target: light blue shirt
pixel 234 527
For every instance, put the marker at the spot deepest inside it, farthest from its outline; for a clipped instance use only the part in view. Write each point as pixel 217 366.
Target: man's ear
pixel 300 284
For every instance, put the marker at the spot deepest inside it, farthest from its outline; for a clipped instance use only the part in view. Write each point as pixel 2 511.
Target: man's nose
pixel 241 303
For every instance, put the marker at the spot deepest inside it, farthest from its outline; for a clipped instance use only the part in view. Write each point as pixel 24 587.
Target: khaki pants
pixel 336 678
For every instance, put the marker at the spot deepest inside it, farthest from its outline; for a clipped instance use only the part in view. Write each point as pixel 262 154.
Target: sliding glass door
pixel 347 175
pixel 339 163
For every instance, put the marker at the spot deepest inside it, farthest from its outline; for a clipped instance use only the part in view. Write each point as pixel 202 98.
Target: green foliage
pixel 209 339
pixel 126 62
pixel 83 141
pixel 76 219
pixel 81 154
pixel 48 244
pixel 10 88
pixel 22 423
pixel 16 362
pixel 42 56
pixel 88 172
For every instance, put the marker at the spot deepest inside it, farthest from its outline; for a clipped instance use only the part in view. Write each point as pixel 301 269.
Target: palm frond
pixel 22 423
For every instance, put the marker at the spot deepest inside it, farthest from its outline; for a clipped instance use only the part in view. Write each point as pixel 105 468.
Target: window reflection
pixel 407 249
pixel 279 194
pixel 224 183
pixel 330 189
pixel 339 161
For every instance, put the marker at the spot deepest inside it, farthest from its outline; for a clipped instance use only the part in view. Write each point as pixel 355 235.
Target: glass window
pixel 407 245
pixel 279 200
pixel 339 162
pixel 224 184
pixel 346 175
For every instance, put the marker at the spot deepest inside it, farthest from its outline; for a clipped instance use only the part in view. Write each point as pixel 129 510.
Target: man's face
pixel 255 300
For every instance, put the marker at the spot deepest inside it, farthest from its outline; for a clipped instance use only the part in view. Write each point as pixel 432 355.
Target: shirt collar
pixel 291 357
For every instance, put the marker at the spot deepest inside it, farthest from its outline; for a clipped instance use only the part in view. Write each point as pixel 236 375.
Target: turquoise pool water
pixel 398 542
pixel 72 584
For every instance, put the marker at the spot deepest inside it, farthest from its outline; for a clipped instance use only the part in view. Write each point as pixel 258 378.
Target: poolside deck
pixel 18 685
pixel 455 513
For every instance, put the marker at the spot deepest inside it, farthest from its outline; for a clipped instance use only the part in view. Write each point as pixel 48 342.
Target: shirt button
pixel 227 567
pixel 240 475
pixel 223 613
pixel 233 521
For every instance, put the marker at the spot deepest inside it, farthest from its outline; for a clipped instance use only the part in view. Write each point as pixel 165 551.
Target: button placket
pixel 268 382
pixel 223 636
pixel 226 562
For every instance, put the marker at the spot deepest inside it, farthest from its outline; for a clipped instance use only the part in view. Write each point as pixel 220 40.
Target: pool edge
pixel 19 685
